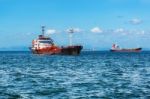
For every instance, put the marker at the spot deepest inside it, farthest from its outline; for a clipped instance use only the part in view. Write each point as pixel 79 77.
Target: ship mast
pixel 71 31
pixel 43 30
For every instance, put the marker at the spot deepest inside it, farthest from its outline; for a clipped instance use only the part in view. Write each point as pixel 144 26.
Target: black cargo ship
pixel 71 50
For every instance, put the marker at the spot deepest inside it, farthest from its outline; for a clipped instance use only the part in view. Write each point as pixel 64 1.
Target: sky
pixel 97 23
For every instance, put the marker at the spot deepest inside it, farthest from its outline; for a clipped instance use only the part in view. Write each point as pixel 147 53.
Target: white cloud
pixel 119 30
pixel 76 30
pixel 135 21
pixel 130 32
pixel 51 31
pixel 142 32
pixel 96 30
pixel 122 31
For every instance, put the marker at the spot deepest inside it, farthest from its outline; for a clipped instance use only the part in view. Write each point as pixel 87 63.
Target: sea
pixel 91 75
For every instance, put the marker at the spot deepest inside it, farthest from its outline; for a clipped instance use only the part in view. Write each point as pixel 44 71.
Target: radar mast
pixel 70 31
pixel 43 30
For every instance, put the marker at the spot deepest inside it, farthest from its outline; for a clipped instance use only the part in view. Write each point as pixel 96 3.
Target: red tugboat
pixel 44 45
pixel 116 48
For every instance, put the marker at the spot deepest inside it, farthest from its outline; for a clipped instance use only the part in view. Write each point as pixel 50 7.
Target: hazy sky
pixel 98 23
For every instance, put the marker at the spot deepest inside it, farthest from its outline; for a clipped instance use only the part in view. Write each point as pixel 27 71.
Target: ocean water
pixel 91 75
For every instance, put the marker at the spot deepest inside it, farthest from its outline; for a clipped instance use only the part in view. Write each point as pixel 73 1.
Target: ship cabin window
pixel 46 42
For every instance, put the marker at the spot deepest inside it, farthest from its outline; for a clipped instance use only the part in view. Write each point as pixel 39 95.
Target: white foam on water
pixel 4 78
pixel 135 78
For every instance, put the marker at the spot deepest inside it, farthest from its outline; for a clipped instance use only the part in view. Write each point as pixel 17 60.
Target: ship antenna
pixel 43 30
pixel 70 31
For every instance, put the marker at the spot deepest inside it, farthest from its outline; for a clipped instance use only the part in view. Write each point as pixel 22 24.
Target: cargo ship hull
pixel 45 45
pixel 126 50
pixel 50 51
pixel 71 50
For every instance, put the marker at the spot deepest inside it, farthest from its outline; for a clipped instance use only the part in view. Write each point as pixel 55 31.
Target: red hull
pixel 70 50
pixel 48 50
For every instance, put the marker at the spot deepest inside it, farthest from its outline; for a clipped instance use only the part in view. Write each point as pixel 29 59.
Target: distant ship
pixel 116 48
pixel 45 45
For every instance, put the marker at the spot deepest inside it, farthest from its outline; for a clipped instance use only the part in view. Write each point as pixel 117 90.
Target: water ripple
pixel 99 75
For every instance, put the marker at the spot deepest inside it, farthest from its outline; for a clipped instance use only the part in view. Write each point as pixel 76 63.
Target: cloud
pixel 51 31
pixel 119 30
pixel 135 21
pixel 140 32
pixel 96 30
pixel 76 30
pixel 129 32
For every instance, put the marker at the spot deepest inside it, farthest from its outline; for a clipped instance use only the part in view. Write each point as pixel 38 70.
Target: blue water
pixel 92 75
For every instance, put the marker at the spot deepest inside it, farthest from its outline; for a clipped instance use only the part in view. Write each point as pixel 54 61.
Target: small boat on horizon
pixel 116 48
